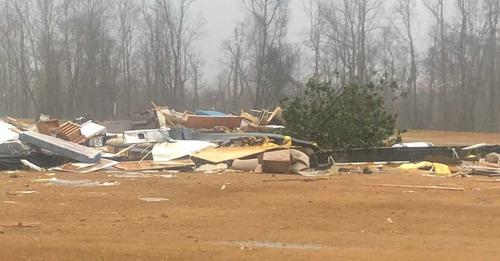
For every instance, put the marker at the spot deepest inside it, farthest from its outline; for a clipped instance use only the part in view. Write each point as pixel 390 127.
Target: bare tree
pixel 196 64
pixel 316 32
pixel 127 12
pixel 269 20
pixel 404 10
pixel 236 54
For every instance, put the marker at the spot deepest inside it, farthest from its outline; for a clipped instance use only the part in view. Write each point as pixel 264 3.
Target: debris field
pixel 176 186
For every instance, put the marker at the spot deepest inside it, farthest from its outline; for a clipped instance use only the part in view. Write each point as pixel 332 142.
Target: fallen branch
pixel 415 187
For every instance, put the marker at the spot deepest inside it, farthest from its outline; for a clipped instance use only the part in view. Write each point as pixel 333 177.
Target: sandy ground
pixel 244 217
pixel 335 219
pixel 451 138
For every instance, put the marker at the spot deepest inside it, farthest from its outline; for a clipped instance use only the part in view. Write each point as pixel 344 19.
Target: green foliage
pixel 344 117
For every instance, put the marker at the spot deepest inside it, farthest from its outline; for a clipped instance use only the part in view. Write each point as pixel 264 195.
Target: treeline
pixel 437 59
pixel 104 58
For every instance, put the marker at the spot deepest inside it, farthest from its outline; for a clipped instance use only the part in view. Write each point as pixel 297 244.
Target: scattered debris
pixel 164 152
pixel 222 154
pixel 274 245
pixel 70 131
pixel 24 192
pixel 493 158
pixel 249 165
pixel 415 187
pixel 86 168
pixel 152 165
pixel 213 142
pixel 91 129
pixel 285 162
pixel 80 183
pixel 209 122
pixel 8 132
pixel 31 165
pixel 212 168
pixel 299 179
pixel 438 168
pixel 475 146
pixel 154 199
pixel 61 147
pixel 146 136
pixel 413 145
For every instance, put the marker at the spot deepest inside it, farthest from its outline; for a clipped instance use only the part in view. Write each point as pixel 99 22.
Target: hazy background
pixel 436 62
pixel 219 15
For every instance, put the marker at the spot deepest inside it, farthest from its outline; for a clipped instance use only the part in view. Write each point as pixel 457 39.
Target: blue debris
pixel 210 113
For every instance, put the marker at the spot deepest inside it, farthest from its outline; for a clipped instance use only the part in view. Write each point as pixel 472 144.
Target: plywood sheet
pixel 221 154
pixel 151 165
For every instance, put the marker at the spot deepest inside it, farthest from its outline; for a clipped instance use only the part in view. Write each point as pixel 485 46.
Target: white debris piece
pixel 414 145
pixel 7 132
pixel 91 129
pixel 168 151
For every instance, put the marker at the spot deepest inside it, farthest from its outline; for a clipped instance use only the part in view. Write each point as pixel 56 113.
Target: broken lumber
pixel 151 165
pixel 415 187
pixel 31 165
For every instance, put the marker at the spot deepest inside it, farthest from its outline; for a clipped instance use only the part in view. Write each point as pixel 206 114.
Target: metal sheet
pixel 146 136
pixel 91 129
pixel 61 147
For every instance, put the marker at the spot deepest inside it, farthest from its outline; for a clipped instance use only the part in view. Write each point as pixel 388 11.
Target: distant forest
pixel 111 58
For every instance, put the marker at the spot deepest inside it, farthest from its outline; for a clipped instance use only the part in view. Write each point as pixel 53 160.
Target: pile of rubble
pixel 159 139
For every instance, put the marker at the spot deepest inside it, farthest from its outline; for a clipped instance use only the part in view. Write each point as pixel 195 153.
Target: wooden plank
pixel 151 165
pixel 87 168
pixel 209 122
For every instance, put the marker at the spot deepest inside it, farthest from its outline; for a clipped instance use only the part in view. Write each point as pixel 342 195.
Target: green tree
pixel 341 117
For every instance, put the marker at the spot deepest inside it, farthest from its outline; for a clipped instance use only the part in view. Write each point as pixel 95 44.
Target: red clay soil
pixel 335 219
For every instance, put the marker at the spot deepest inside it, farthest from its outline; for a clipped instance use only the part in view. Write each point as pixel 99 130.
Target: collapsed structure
pixel 158 139
pixel 210 141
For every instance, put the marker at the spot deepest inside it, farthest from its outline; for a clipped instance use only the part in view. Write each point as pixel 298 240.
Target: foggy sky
pixel 220 17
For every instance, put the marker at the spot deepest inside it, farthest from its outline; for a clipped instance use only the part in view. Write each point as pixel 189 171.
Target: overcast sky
pixel 220 17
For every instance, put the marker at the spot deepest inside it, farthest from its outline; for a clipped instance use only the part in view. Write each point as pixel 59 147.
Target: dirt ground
pixel 451 138
pixel 248 217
